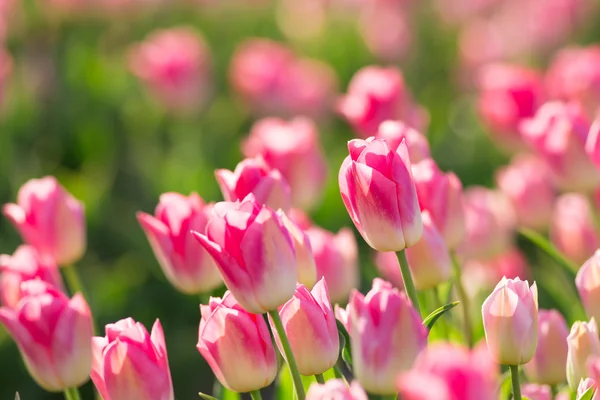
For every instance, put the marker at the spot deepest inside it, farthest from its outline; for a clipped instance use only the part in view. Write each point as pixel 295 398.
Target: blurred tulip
pixel 341 314
pixel 187 266
pixel 385 28
pixel 386 335
pixel 441 194
pixel 254 252
pixel 175 65
pixel 130 364
pixel 585 385
pixel 292 148
pixel 527 183
pixel 588 285
pixel 53 333
pixel 25 264
pixel 558 134
pixel 50 219
pixel 377 94
pixel 583 343
pixel 336 389
pixel 307 268
pixel 394 132
pixel 389 268
pixel 6 65
pixel 593 371
pixel 547 365
pixel 237 345
pixel 536 392
pixel 592 145
pixel 510 320
pixel 572 229
pixel 310 326
pixel 379 193
pixel 253 175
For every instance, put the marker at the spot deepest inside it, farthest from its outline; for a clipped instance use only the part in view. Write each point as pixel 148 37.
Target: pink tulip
pixel 53 333
pixel 548 363
pixel 50 219
pixel 336 258
pixel 377 94
pixel 25 264
pixel 527 183
pixel 588 285
pixel 449 372
pixel 336 389
pixel 572 229
pixel 175 65
pixel 386 336
pixel 441 194
pixel 307 268
pixel 379 193
pixel 188 267
pixel 394 132
pixel 341 314
pixel 592 145
pixel 585 385
pixel 292 148
pixel 130 364
pixel 558 134
pixel 253 175
pixel 593 368
pixel 510 320
pixel 536 392
pixel 310 326
pixel 237 345
pixel 583 343
pixel 254 252
pixel 386 29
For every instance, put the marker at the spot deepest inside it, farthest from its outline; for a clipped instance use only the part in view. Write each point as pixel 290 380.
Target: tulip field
pixel 300 199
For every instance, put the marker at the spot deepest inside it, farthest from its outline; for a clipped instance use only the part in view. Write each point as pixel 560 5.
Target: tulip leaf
pixel 588 394
pixel 430 320
pixel 206 396
pixel 345 348
pixel 505 387
pixel 543 244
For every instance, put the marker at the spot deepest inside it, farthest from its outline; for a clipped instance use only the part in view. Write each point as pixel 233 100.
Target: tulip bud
pixel 536 392
pixel 588 285
pixel 50 219
pixel 53 333
pixel 254 252
pixel 394 132
pixel 253 175
pixel 441 194
pixel 386 335
pixel 237 345
pixel 585 385
pixel 188 267
pixel 592 145
pixel 510 320
pixel 130 364
pixel 379 193
pixel 25 264
pixel 307 269
pixel 336 389
pixel 583 342
pixel 310 326
pixel 547 365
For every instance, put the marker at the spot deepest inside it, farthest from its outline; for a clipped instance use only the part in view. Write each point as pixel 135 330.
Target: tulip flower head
pixel 336 389
pixel 583 343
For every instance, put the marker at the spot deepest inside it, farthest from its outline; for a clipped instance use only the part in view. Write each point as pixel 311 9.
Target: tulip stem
pixel 255 394
pixel 289 356
pixel 554 390
pixel 73 281
pixel 514 373
pixel 464 300
pixel 72 394
pixel 320 378
pixel 409 285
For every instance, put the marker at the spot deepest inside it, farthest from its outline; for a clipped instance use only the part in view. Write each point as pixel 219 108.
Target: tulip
pixel 336 389
pixel 510 320
pixel 386 29
pixel 237 345
pixel 386 335
pixel 309 323
pixel 187 266
pixel 536 392
pixel 292 148
pixel 441 194
pixel 588 285
pixel 379 193
pixel 50 219
pixel 547 365
pixel 394 132
pixel 254 252
pixel 253 175
pixel 583 343
pixel 526 182
pixel 25 264
pixel 592 145
pixel 307 269
pixel 558 134
pixel 342 315
pixel 593 369
pixel 572 229
pixel 585 385
pixel 53 333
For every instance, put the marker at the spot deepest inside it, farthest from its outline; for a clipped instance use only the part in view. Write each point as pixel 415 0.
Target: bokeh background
pixel 72 107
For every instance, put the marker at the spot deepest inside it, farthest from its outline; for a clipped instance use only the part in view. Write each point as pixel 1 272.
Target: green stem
pixel 320 378
pixel 409 285
pixel 73 281
pixel 72 394
pixel 554 390
pixel 464 300
pixel 389 397
pixel 514 373
pixel 289 356
pixel 255 394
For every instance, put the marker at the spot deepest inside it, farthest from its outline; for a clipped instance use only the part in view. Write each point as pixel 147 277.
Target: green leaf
pixel 206 396
pixel 430 320
pixel 543 244
pixel 345 349
pixel 588 394
pixel 505 389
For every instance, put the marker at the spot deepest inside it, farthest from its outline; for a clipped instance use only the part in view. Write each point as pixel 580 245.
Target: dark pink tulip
pixel 53 333
pixel 293 148
pixel 394 132
pixel 50 219
pixel 336 389
pixel 237 345
pixel 25 264
pixel 186 265
pixel 254 252
pixel 378 191
pixel 130 364
pixel 536 392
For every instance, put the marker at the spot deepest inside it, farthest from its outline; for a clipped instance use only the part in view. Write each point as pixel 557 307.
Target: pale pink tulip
pixel 584 386
pixel 336 389
pixel 536 392
pixel 583 343
pixel 588 285
pixel 307 268
pixel 395 132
